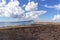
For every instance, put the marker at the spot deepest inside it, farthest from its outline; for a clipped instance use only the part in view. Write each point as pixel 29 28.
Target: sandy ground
pixel 32 32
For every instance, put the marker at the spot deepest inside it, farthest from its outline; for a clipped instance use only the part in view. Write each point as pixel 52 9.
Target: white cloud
pixel 3 3
pixel 31 6
pixel 56 7
pixel 56 17
pixel 12 9
pixel 35 14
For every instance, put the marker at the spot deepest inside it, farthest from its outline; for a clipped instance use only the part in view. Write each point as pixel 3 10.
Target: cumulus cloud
pixel 12 9
pixel 31 6
pixel 3 3
pixel 35 14
pixel 56 7
pixel 56 17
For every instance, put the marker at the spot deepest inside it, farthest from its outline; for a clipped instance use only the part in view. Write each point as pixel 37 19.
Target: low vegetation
pixel 31 32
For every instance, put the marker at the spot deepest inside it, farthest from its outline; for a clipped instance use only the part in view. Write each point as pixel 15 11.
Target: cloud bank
pixel 12 9
pixel 56 17
pixel 56 7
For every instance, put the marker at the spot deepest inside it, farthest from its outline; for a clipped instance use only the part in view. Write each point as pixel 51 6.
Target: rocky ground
pixel 33 32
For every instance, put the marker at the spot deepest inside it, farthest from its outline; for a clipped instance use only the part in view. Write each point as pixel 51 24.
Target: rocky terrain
pixel 31 32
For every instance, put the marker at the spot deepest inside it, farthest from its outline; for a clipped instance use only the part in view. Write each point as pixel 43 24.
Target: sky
pixel 46 10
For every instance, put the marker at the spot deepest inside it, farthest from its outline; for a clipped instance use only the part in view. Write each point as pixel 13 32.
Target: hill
pixel 37 31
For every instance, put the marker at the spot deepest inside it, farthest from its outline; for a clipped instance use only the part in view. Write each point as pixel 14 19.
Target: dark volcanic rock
pixel 43 32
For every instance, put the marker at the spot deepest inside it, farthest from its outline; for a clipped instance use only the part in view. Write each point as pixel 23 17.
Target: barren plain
pixel 37 31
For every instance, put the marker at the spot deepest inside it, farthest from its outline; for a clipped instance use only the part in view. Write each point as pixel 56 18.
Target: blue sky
pixel 50 11
pixel 52 8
